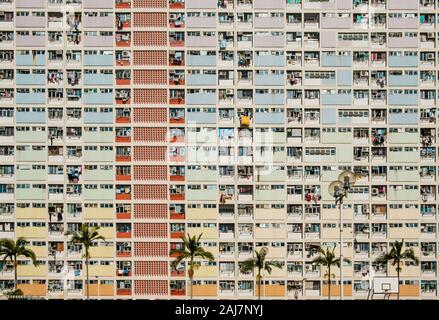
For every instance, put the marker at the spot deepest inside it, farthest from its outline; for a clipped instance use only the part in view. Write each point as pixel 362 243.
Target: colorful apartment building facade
pixel 230 118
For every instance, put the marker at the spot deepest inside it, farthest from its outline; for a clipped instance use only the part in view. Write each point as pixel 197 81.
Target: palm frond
pixel 248 265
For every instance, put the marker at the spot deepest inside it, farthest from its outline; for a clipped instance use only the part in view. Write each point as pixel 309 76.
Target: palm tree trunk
pixel 329 283
pixel 397 274
pixel 259 286
pixel 191 277
pixel 86 275
pixel 15 274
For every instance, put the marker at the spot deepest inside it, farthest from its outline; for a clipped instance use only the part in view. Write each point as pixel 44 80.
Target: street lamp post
pixel 339 190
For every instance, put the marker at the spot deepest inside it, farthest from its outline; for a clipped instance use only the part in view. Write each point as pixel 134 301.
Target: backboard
pixel 385 285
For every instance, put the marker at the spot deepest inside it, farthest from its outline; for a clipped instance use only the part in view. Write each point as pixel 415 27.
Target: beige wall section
pixel 102 252
pixel 31 232
pixel 30 270
pixel 40 251
pixel 208 233
pixel 102 270
pixel 107 232
pixel 201 214
pixel 98 213
pixel 206 271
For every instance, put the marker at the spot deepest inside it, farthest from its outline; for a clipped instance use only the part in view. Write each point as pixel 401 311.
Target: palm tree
pixel 328 259
pixel 85 237
pixel 11 250
pixel 258 262
pixel 191 249
pixel 396 256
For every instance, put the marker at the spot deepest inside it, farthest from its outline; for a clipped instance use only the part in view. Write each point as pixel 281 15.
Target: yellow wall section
pixel 31 232
pixel 102 271
pixel 99 213
pixel 108 232
pixel 31 213
pixel 102 252
pixel 201 214
pixel 30 270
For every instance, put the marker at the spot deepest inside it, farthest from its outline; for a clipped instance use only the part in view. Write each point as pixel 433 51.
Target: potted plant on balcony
pixel 396 256
pixel 11 250
pixel 190 250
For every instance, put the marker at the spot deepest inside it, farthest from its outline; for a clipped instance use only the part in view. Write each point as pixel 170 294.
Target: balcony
pixel 98 79
pixel 266 41
pixel 98 98
pixel 201 41
pixel 201 4
pixel 98 59
pixel 202 195
pixel 337 22
pixel 30 117
pixel 403 61
pixel 40 4
pixel 98 41
pixel 332 60
pixel 336 98
pixel 98 117
pixel 201 98
pixel 201 60
pixel 272 4
pixel 267 22
pixel 30 59
pixel 402 5
pixel 322 5
pixel 30 98
pixel 201 117
pixel 269 118
pixel 97 4
pixel 269 60
pixel 403 99
pixel 201 22
pixel 269 99
pixel 30 21
pixel 402 23
pixel 98 194
pixel 269 79
pixel 403 80
pixel 30 79
pixel 98 21
pixel 30 40
pixel 201 79
pixel 402 42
